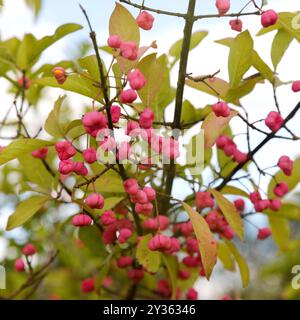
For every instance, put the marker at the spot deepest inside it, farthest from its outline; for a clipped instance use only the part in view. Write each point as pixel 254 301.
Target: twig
pixel 254 151
pixel 142 7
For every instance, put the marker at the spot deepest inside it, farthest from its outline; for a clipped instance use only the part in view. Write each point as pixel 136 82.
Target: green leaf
pixel 166 93
pixel 197 37
pixel 59 33
pixel 234 191
pixel 74 125
pixel 74 83
pixel 230 212
pixel 110 182
pixel 213 126
pixel 206 241
pixel 188 113
pixel 256 62
pixel 117 74
pixel 262 67
pixel 122 23
pixel 34 171
pixel 172 267
pixel 240 57
pixel 242 264
pixel 19 147
pixel 149 259
pixel 225 256
pixel 90 64
pixel 289 211
pixel 280 44
pixel 26 210
pixel 152 69
pixel 7 60
pixel 286 21
pixel 243 89
pixel 26 51
pixel 280 231
pixel 225 42
pixel 104 269
pixel 101 275
pixel 30 48
pixel 92 239
pixel 52 124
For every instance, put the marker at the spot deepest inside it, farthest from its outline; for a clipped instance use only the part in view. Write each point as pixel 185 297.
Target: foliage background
pixel 270 272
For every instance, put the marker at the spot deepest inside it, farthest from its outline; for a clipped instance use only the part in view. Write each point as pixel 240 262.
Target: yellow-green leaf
pixel 92 239
pixel 26 210
pixel 289 211
pixel 230 212
pixel 53 124
pixel 149 259
pixel 196 38
pixel 19 147
pixel 280 231
pixel 241 262
pixel 109 182
pixel 31 48
pixel 213 126
pixel 243 89
pixel 152 69
pixel 280 44
pixel 34 171
pixel 90 64
pixel 122 23
pixel 262 67
pixel 74 83
pixel 240 57
pixel 172 267
pixel 235 191
pixel 206 241
pixel 225 256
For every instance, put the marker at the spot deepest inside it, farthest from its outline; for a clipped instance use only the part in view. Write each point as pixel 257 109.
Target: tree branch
pixel 188 29
pixel 260 146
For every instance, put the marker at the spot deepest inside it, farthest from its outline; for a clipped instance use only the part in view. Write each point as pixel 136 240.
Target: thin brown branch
pixel 158 11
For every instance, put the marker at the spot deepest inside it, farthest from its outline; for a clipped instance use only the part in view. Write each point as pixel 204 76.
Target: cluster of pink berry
pixel 274 121
pixel 214 218
pixel 280 190
pixel 29 250
pixel 142 198
pixel 268 17
pixel 230 149
pixel 221 109
pixel 165 146
pixel 94 201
